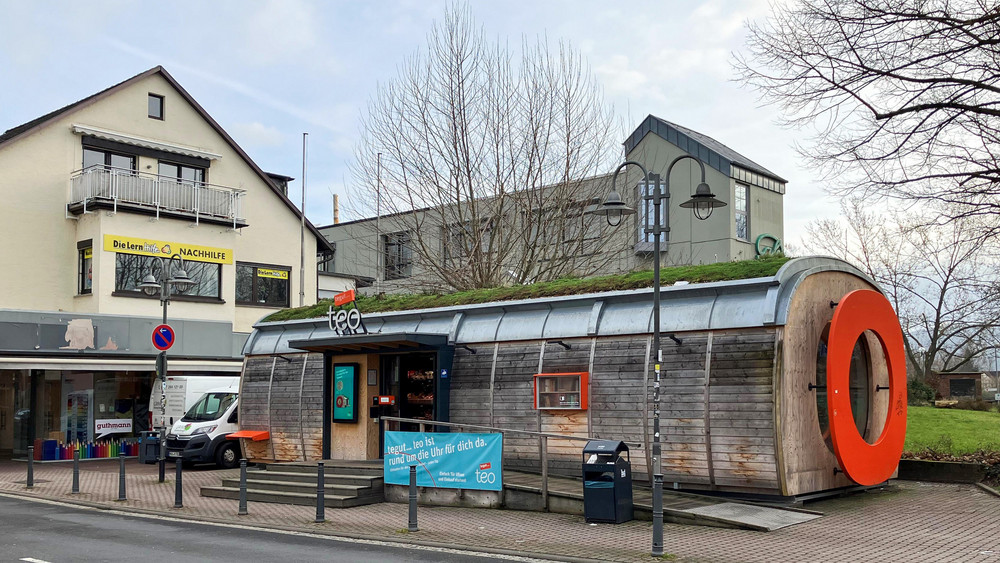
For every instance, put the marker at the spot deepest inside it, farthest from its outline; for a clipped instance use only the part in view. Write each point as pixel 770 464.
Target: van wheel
pixel 227 457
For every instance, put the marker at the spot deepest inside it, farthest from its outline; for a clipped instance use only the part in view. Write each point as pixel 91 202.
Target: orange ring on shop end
pixel 858 311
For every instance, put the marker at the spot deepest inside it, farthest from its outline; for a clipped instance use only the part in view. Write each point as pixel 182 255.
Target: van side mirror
pixel 233 418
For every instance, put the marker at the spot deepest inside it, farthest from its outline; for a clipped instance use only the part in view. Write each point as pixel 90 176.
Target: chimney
pixel 336 209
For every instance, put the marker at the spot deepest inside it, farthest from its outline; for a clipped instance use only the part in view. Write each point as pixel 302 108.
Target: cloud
pixel 257 135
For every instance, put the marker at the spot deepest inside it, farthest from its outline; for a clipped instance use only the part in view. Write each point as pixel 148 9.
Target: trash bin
pixel 149 447
pixel 607 482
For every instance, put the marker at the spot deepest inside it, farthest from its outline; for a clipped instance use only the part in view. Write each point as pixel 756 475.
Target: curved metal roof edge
pixel 542 303
pixel 784 282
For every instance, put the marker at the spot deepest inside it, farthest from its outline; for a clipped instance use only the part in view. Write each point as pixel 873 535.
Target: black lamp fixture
pixel 703 201
pixel 613 208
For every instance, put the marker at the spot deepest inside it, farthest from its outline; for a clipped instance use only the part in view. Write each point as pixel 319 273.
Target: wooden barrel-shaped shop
pixel 747 405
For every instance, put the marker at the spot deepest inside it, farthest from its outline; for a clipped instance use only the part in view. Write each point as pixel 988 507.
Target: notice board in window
pixel 345 392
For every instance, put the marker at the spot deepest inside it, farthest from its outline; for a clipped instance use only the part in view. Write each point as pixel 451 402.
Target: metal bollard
pixel 178 488
pixel 76 472
pixel 243 488
pixel 31 467
pixel 160 454
pixel 320 494
pixel 121 476
pixel 412 524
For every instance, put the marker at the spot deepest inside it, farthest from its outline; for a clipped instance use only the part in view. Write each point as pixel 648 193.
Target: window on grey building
pixel 646 215
pixel 156 106
pixel 131 268
pixel 741 211
pixel 85 267
pixel 326 260
pixel 398 255
pixel 258 284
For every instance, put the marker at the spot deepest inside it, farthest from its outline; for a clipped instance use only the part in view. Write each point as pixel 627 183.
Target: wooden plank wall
pixel 312 408
pixel 683 413
pixel 565 456
pixel 742 410
pixel 470 384
pixel 283 395
pixel 516 363
pixel 616 397
pixel 253 410
pixel 717 420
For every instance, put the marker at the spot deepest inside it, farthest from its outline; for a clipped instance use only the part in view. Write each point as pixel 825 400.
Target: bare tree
pixel 904 95
pixel 941 279
pixel 484 160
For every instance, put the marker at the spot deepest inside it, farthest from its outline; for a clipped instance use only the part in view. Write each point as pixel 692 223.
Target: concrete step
pixel 333 467
pixel 299 487
pixel 303 499
pixel 330 478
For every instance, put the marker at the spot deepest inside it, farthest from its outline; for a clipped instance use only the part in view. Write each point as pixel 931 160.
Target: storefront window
pixel 262 285
pixel 131 268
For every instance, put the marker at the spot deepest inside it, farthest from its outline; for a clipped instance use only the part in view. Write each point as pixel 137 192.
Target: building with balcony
pixel 95 195
pixel 416 250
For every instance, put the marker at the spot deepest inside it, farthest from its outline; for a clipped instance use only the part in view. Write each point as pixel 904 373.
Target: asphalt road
pixel 53 533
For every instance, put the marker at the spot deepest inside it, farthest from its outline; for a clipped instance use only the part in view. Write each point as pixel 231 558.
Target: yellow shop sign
pixel 269 273
pixel 147 247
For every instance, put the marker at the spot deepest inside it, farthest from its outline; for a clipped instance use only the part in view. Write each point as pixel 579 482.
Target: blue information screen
pixel 453 461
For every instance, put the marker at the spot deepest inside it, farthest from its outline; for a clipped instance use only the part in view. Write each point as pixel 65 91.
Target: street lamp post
pixel 703 202
pixel 151 285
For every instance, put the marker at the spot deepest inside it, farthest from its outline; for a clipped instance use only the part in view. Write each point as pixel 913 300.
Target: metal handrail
pixel 160 192
pixel 543 442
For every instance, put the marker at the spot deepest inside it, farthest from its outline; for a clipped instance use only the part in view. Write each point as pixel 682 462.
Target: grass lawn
pixel 951 431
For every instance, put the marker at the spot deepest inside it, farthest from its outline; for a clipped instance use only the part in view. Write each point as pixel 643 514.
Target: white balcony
pixel 127 190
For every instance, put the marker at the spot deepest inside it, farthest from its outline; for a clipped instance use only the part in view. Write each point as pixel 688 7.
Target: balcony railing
pixel 114 186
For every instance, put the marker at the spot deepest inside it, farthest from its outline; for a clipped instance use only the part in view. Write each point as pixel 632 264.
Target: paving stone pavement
pixel 908 521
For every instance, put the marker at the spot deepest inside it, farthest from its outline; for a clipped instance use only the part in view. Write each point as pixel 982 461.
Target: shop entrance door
pixel 15 413
pixel 410 379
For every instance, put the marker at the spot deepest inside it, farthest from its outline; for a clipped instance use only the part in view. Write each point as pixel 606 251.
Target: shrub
pixel 970 405
pixel 918 392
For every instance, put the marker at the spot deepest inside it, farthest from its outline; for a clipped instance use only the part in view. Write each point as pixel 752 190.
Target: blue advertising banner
pixel 454 461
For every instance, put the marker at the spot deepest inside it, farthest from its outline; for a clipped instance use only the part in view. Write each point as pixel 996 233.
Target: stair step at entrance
pixel 334 467
pixel 299 487
pixel 278 497
pixel 303 477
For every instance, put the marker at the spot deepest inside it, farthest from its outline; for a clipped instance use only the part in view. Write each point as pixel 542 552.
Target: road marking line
pixel 33 560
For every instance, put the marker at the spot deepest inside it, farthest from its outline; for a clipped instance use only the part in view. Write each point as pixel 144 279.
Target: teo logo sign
pixel 345 321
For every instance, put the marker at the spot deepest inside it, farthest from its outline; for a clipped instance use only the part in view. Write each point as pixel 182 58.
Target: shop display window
pixel 561 391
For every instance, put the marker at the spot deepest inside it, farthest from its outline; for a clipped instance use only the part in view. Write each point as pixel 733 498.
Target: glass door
pixel 15 413
pixel 417 388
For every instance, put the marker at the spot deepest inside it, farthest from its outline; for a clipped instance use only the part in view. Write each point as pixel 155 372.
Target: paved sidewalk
pixel 908 521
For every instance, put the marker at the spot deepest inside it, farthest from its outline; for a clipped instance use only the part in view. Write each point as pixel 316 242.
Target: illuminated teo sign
pixel 345 321
pixel 858 311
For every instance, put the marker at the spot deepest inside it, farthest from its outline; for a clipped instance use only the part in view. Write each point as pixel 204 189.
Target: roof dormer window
pixel 155 106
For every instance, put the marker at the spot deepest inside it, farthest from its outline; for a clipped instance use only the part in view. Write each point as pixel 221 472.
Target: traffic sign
pixel 163 337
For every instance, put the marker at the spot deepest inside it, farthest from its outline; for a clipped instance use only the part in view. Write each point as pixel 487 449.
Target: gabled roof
pixel 710 151
pixel 14 133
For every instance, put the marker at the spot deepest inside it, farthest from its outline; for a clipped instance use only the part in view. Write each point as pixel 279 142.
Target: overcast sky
pixel 268 71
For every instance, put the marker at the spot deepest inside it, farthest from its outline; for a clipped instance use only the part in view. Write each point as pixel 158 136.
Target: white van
pixel 182 392
pixel 200 436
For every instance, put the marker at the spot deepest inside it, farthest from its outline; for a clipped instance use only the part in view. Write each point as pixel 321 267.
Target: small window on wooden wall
pixel 561 391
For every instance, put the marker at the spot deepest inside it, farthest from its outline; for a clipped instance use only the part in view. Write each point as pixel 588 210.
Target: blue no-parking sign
pixel 163 337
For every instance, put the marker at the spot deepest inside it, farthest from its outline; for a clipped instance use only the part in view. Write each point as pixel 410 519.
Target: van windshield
pixel 210 407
